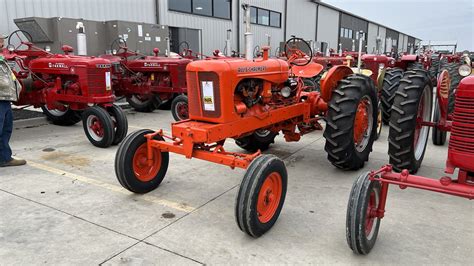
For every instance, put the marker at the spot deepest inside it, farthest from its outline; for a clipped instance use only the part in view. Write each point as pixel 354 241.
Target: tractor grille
pixel 193 94
pixel 462 133
pixel 96 82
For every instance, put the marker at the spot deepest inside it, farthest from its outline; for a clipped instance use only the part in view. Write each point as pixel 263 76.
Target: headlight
pixel 47 48
pixel 464 70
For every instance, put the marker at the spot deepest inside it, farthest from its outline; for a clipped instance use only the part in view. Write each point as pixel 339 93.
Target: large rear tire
pixel 120 123
pixel 362 224
pixel 131 164
pixel 62 118
pixel 455 79
pixel 407 137
pixel 351 122
pixel 389 87
pixel 438 136
pixel 259 140
pixel 142 104
pixel 261 195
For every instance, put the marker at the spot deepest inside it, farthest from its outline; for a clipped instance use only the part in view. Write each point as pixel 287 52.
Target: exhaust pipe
pixel 168 47
pixel 248 34
pixel 228 44
pixel 359 59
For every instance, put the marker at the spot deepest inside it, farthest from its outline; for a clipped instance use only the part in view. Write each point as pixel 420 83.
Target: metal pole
pixel 248 34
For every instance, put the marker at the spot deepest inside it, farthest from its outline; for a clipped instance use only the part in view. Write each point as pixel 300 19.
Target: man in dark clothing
pixel 9 89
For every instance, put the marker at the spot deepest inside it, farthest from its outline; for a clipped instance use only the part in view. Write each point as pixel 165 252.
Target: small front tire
pixel 98 126
pixel 261 195
pixel 180 108
pixel 132 168
pixel 120 123
pixel 258 140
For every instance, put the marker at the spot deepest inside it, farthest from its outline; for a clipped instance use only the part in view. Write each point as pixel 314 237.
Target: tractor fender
pixel 380 79
pixel 331 78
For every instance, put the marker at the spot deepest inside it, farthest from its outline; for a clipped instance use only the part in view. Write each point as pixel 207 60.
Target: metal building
pixel 205 24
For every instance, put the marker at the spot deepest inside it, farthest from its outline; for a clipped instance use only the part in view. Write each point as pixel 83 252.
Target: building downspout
pixel 317 21
pixel 286 17
pixel 157 10
pixel 238 25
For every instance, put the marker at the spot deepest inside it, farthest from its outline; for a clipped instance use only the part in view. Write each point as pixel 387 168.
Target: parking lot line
pixel 114 188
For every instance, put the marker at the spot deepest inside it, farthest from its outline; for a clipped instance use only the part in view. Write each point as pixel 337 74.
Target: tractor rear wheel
pixel 259 140
pixel 98 126
pixel 351 122
pixel 261 195
pixel 389 87
pixel 132 168
pixel 455 79
pixel 362 223
pixel 144 104
pixel 180 108
pixel 407 136
pixel 438 136
pixel 120 123
pixel 62 118
pixel 434 66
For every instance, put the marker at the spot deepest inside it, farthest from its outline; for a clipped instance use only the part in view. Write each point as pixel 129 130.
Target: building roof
pixel 357 16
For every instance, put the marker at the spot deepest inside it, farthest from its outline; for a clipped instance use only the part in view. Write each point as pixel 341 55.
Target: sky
pixel 438 20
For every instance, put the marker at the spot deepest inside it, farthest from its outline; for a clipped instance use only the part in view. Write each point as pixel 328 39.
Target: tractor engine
pixel 224 90
pixel 461 142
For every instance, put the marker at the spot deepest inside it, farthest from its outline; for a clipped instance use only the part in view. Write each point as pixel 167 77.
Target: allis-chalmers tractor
pixel 252 100
pixel 149 81
pixel 67 88
pixel 409 130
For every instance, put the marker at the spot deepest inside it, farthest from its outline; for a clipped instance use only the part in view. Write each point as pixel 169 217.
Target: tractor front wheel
pixel 179 108
pixel 98 126
pixel 261 195
pixel 259 140
pixel 133 169
pixel 67 117
pixel 120 123
pixel 351 122
pixel 438 136
pixel 362 221
pixel 407 136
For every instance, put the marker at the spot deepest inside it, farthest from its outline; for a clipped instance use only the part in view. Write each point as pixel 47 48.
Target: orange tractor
pixel 251 101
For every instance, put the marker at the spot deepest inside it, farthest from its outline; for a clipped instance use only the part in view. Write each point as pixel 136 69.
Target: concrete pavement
pixel 66 207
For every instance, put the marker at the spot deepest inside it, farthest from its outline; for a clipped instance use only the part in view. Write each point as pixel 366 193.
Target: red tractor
pixel 68 88
pixel 252 100
pixel 149 81
pixel 409 130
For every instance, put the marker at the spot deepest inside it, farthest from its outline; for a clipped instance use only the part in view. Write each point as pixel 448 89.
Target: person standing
pixel 9 89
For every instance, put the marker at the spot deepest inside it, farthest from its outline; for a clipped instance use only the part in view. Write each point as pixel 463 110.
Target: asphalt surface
pixel 66 207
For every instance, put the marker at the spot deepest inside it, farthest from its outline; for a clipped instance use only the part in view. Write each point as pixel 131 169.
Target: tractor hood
pixel 67 64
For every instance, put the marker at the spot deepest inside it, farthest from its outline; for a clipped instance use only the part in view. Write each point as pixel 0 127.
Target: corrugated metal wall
pixel 328 26
pixel 372 34
pixel 356 25
pixel 139 11
pixel 301 19
pixel 383 36
pixel 259 31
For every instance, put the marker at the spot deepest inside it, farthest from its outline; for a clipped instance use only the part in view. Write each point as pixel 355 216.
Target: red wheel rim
pixel 419 120
pixel 361 122
pixel 96 126
pixel 182 110
pixel 269 197
pixel 143 170
pixel 371 214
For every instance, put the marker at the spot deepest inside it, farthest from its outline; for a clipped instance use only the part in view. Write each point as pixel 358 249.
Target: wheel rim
pixel 262 133
pixel 421 132
pixel 269 197
pixel 363 123
pixel 143 171
pixel 95 128
pixel 371 218
pixel 182 110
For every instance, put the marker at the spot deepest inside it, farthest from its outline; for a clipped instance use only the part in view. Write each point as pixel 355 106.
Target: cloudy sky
pixel 424 19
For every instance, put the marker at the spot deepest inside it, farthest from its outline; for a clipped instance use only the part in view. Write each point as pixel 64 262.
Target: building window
pixel 275 19
pixel 342 33
pixel 347 33
pixel 180 5
pixel 222 8
pixel 265 17
pixel 208 8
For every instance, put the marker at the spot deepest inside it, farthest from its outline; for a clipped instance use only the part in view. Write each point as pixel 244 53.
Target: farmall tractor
pixel 409 130
pixel 68 88
pixel 251 101
pixel 149 81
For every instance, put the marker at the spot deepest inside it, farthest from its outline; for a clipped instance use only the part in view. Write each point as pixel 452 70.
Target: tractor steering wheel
pixel 256 51
pixel 16 38
pixel 183 48
pixel 118 45
pixel 294 53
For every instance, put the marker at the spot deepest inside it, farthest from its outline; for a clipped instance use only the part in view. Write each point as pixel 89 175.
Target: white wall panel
pixel 301 19
pixel 328 26
pixel 372 38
